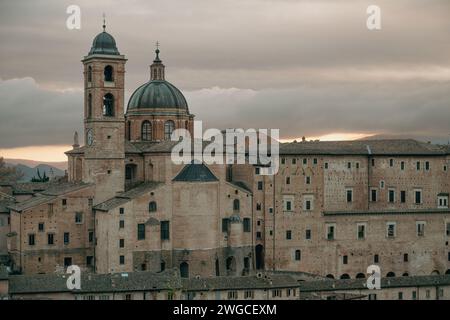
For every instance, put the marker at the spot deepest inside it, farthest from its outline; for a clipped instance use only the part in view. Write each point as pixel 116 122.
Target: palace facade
pixel 333 208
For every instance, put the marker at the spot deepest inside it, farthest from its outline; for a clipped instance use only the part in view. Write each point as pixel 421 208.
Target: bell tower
pixel 104 121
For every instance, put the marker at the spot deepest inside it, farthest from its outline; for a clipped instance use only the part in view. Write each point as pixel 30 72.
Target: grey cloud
pixel 31 115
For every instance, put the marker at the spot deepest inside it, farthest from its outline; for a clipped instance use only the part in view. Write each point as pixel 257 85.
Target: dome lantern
pixel 157 67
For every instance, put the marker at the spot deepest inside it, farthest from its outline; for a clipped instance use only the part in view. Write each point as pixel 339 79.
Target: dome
pixel 104 43
pixel 157 94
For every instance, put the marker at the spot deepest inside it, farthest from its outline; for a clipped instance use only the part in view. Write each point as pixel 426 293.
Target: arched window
pixel 360 276
pixel 329 276
pixel 109 73
pixel 406 274
pixel 90 105
pixel 146 132
pixel 89 74
pixel 169 126
pixel 108 105
pixel 447 272
pixel 236 205
pixel 345 276
pixel 231 265
pixel 129 130
pixel 184 270
pixel 390 274
pixel 152 206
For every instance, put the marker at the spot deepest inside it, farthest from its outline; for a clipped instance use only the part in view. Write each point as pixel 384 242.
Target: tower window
pixel 90 105
pixel 89 74
pixel 108 105
pixel 236 205
pixel 108 72
pixel 146 133
pixel 169 126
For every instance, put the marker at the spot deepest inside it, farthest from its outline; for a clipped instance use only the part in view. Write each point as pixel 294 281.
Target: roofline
pixel 387 212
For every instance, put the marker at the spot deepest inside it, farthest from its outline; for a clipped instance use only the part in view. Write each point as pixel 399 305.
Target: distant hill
pixel 32 163
pixel 31 171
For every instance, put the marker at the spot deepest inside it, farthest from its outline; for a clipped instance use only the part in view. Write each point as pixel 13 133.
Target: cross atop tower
pixel 104 22
pixel 157 45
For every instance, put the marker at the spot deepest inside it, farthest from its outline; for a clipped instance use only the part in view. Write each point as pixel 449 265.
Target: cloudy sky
pixel 308 67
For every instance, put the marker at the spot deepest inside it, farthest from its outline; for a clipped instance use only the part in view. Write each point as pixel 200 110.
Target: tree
pixel 9 174
pixel 40 178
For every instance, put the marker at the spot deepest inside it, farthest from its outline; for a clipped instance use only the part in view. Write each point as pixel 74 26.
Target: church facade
pixel 333 208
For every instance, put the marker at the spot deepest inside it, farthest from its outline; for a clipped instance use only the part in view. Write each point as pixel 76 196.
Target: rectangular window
pixel 447 229
pixel 315 161
pixel 165 230
pixel 122 261
pixel 373 162
pixel 232 295
pixel 420 228
pixel 357 165
pixel 427 165
pixel 373 195
pixel 298 255
pixel 66 237
pixel 414 295
pixel 41 227
pixel 257 171
pixel 276 293
pixel 50 238
pixel 31 240
pixel 349 195
pixel 121 243
pixel 307 204
pixel 442 202
pixel 418 196
pixel 91 236
pixel 247 224
pixel 258 206
pixel 349 165
pixel 376 258
pixel 89 260
pixel 294 160
pixel 225 224
pixel 326 165
pixel 361 231
pixel 141 231
pixel 403 196
pixel 391 196
pixel 405 257
pixel 288 205
pixel 260 185
pixel 345 260
pixel 121 224
pixel 288 180
pixel 64 202
pixel 121 210
pixel 400 296
pixel 391 232
pixel 417 165
pixel 330 232
pixel 78 217
pixel 308 180
pixel 391 162
pixel 308 234
pixel 248 294
pixel 305 161
pixel 258 235
pixel 402 165
pixel 288 235
pixel 283 161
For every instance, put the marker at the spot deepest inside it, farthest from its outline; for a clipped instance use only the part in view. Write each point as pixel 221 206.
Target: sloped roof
pixel 358 284
pixel 95 283
pixel 128 195
pixel 243 282
pixel 49 194
pixel 195 172
pixel 395 147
